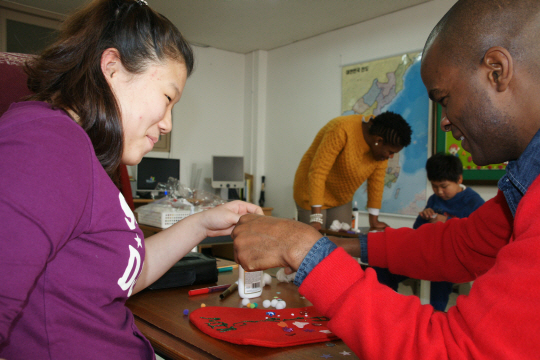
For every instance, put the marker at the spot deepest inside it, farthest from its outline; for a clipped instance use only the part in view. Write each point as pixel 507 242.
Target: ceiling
pixel 243 26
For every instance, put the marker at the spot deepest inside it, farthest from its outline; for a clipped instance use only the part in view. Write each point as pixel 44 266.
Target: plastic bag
pixel 182 197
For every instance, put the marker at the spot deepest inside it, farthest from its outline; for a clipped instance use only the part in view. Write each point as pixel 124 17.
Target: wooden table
pixel 141 202
pixel 159 315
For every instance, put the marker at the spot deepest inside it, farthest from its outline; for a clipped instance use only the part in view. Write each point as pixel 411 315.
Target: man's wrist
pixel 320 250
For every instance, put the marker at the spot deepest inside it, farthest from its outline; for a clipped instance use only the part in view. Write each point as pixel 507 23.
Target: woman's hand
pixel 316 225
pixel 316 211
pixel 166 247
pixel 380 226
pixel 221 220
pixel 375 224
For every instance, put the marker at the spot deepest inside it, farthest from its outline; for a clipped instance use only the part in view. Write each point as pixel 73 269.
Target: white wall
pixel 256 74
pixel 268 106
pixel 486 192
pixel 304 89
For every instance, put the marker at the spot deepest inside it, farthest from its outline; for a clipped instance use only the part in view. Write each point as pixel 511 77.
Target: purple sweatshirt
pixel 70 248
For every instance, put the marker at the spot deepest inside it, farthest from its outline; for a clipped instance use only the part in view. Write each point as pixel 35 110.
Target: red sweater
pixel 499 319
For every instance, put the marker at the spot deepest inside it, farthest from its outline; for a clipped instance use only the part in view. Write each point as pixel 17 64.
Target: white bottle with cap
pixel 355 218
pixel 250 283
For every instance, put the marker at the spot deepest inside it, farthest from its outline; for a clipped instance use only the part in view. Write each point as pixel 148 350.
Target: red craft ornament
pixel 254 327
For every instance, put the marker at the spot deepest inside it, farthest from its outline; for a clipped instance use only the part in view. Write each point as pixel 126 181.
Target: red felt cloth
pixel 246 326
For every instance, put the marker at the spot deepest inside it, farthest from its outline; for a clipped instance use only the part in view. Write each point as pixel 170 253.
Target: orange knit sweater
pixel 338 161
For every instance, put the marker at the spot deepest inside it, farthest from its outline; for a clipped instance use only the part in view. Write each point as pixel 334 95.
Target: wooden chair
pixel 13 85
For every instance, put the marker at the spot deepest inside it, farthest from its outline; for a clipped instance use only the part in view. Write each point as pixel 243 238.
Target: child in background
pixel 451 199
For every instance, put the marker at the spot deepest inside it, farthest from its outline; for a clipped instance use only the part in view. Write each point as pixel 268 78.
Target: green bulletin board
pixel 472 173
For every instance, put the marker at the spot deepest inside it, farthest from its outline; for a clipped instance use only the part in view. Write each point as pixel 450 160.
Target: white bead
pixel 266 303
pixel 281 305
pixel 267 279
pixel 245 302
pixel 274 303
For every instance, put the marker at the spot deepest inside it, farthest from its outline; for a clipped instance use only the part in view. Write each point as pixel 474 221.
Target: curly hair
pixel 392 128
pixel 68 73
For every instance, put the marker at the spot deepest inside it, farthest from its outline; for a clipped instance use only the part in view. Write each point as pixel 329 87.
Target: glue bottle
pixel 249 283
pixel 354 225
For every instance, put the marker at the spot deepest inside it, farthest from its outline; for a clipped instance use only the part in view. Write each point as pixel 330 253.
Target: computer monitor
pixel 152 171
pixel 228 172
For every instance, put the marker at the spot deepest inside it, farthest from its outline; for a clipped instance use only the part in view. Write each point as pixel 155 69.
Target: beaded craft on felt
pixel 263 327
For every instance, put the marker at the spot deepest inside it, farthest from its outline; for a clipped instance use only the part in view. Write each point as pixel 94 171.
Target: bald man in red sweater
pixel 481 64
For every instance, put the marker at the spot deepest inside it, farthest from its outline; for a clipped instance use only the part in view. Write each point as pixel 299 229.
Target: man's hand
pixel 262 242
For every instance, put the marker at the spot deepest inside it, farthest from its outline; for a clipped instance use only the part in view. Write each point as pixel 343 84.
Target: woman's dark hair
pixel 444 167
pixel 392 128
pixel 68 73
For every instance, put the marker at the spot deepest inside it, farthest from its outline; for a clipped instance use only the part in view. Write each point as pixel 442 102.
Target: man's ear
pixel 500 67
pixel 110 63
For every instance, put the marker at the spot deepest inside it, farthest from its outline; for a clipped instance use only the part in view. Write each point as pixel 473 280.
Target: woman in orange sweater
pixel 346 152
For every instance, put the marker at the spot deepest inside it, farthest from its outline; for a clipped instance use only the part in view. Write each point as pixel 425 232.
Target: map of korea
pixel 393 84
pixel 380 93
